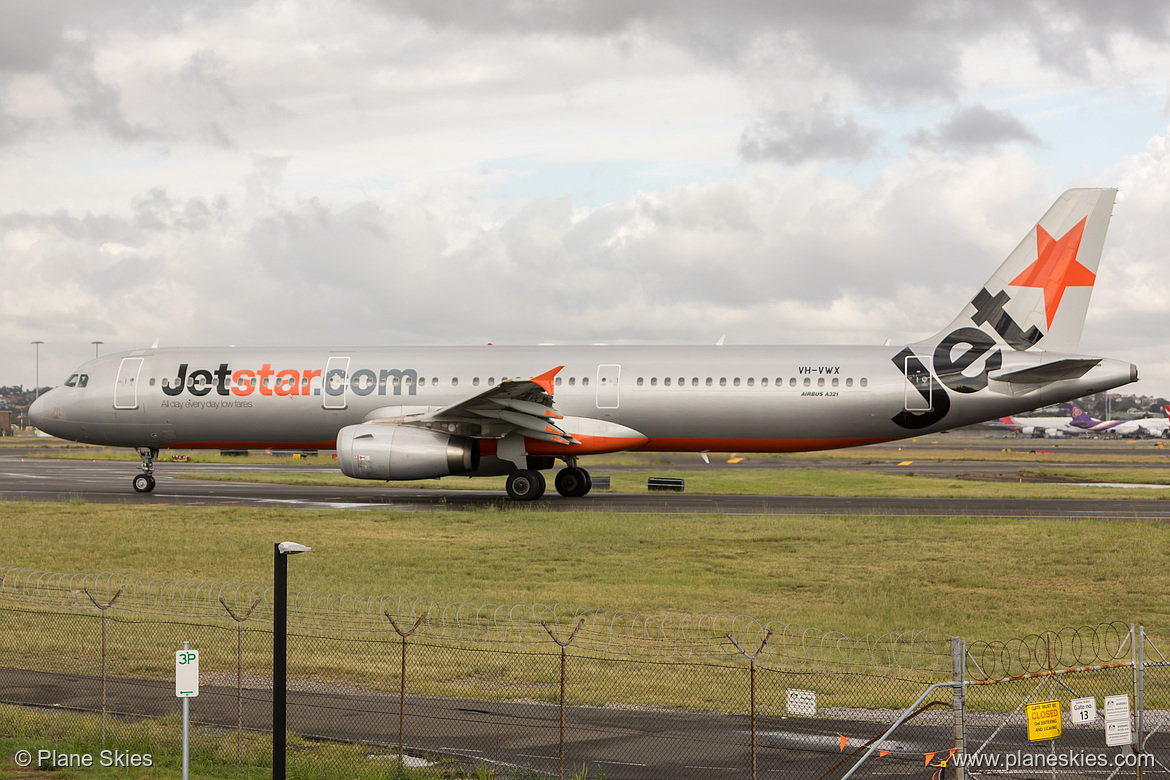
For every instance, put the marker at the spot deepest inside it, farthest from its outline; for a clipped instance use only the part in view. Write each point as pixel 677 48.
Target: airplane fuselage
pixel 743 399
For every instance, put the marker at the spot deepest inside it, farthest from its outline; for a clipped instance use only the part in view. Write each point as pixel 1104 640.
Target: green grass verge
pixel 980 578
pixel 212 753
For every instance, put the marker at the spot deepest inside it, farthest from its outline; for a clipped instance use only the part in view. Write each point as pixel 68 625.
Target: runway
pixel 104 482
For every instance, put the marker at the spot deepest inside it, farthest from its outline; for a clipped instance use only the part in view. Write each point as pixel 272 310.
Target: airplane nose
pixel 38 412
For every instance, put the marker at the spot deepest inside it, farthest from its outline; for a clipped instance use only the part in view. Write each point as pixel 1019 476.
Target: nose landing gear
pixel 144 482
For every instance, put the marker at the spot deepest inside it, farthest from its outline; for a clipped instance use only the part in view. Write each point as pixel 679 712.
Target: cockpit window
pixel 83 380
pixel 71 381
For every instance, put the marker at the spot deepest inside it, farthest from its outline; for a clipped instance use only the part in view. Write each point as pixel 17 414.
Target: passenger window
pixel 682 380
pixel 454 381
pixel 821 382
pixel 654 381
pixel 723 381
pixel 763 381
pixel 572 381
pixel 792 381
pixel 557 382
pixel 864 381
pixel 152 381
pixel 807 381
pixel 639 381
pixel 836 381
pixel 475 381
pixel 849 382
pixel 584 381
pixel 735 382
pixel 751 382
pixel 492 381
pixel 710 381
pixel 666 382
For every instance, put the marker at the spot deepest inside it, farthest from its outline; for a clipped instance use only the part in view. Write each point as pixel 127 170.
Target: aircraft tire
pixel 573 482
pixel 526 485
pixel 143 483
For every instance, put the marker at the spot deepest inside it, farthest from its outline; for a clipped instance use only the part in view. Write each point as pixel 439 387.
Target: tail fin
pixel 1166 409
pixel 1080 418
pixel 1038 298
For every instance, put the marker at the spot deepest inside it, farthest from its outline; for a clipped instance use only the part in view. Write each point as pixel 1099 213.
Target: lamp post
pixel 280 554
pixel 96 344
pixel 37 381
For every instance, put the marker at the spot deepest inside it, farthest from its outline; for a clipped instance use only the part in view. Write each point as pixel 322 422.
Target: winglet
pixel 545 380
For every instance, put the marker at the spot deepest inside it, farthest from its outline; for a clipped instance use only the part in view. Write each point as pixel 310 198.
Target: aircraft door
pixel 126 385
pixel 919 388
pixel 335 383
pixel 607 386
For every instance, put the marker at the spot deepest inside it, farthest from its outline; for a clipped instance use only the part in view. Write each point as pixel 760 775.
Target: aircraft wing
pixel 524 405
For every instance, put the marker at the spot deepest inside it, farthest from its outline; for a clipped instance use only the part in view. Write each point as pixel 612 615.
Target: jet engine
pixel 393 452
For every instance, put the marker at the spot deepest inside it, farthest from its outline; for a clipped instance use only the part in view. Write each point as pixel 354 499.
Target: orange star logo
pixel 1056 267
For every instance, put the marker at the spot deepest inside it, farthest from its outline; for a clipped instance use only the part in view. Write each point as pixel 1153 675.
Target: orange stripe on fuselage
pixel 589 445
pixel 250 445
pixel 756 445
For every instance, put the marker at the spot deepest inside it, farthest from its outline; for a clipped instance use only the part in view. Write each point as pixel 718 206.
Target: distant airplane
pixel 1152 426
pixel 1038 427
pixel 426 412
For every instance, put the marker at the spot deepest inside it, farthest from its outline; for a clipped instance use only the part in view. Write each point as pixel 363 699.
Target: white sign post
pixel 1117 731
pixel 802 703
pixel 1082 711
pixel 186 688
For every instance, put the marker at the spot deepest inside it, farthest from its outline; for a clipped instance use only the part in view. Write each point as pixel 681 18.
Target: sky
pixel 565 171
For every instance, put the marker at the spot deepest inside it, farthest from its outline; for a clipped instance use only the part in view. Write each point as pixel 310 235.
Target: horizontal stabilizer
pixel 1069 368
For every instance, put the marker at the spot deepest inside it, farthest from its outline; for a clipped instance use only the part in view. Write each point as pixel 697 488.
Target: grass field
pixel 978 578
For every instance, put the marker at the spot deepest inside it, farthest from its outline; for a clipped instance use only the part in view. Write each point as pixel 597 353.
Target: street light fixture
pixel 96 344
pixel 37 381
pixel 280 554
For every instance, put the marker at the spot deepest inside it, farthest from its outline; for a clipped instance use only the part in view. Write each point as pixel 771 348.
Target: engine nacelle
pixel 392 452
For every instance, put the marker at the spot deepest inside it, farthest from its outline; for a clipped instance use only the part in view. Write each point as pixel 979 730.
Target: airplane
pixel 1039 427
pixel 1152 426
pixel 428 412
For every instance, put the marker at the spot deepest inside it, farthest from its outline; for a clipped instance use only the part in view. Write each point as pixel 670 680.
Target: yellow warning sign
pixel 1044 721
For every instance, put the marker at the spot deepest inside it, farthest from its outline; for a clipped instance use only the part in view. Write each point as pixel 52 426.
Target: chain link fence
pixel 398 686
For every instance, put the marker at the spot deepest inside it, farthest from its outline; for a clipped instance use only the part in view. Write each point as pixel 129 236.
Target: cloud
pixel 94 102
pixel 975 128
pixel 791 138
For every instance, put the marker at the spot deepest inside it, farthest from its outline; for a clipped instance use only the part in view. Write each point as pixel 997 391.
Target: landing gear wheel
pixel 526 485
pixel 144 482
pixel 573 482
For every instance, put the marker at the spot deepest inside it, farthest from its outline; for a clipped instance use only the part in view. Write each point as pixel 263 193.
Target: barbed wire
pixel 793 647
pixel 1065 648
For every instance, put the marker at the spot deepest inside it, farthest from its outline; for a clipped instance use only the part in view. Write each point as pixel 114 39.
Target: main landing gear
pixel 144 482
pixel 529 484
